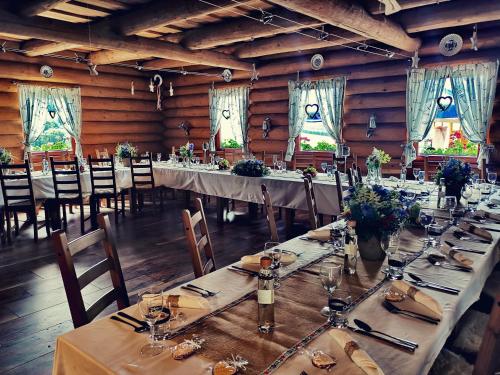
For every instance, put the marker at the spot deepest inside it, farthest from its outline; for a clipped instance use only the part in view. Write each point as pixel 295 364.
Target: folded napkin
pixel 471 228
pixel 418 296
pixel 319 234
pixel 255 259
pixel 495 199
pixel 458 256
pixel 355 353
pixel 189 302
pixel 488 215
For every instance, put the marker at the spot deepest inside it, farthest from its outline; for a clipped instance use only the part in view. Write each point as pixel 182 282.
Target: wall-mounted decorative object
pixel 132 88
pixel 266 127
pixel 317 61
pixel 184 125
pixel 2 47
pixel 312 110
pixel 171 89
pixel 92 69
pixel 414 60
pixel 51 108
pixel 227 75
pixel 46 71
pixel 157 82
pixel 450 45
pixel 151 85
pixel 391 6
pixel 473 39
pixel 444 102
pixel 255 74
pixel 372 125
pixel 226 114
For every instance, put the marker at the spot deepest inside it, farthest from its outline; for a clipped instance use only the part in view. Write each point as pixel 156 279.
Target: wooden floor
pixel 152 250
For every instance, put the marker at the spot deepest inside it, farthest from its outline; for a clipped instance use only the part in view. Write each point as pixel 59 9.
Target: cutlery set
pixel 465 237
pixel 459 248
pixel 437 260
pixel 243 270
pixel 430 285
pixel 365 329
pixel 396 310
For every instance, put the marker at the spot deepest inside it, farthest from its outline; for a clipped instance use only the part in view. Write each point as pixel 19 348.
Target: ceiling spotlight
pixel 92 69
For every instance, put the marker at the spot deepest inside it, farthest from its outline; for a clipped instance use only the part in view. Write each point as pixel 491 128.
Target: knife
pixel 239 269
pixel 130 317
pixel 491 229
pixel 465 237
pixel 401 345
pixel 455 247
pixel 426 284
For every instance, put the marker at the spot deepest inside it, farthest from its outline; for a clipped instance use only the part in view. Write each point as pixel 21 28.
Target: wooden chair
pixel 204 244
pixel 143 181
pixel 340 191
pixel 269 211
pixel 18 196
pixel 68 188
pixel 350 177
pixel 314 218
pixel 104 184
pixel 488 361
pixel 73 284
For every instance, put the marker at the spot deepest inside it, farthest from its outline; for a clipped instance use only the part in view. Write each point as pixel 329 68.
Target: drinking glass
pixel 466 193
pixel 272 250
pixel 329 170
pixel 421 177
pixel 473 201
pixel 416 171
pixel 337 237
pixel 450 203
pixel 340 304
pixel 330 275
pixel 279 163
pixel 323 166
pixel 158 157
pixel 426 219
pixel 396 261
pixel 492 178
pixel 434 232
pixel 150 303
pixel 275 161
pixel 197 160
pixel 283 166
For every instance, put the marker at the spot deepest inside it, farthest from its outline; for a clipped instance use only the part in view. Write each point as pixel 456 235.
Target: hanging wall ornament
pixel 255 74
pixel 171 89
pixel 132 88
pixel 92 69
pixel 450 45
pixel 227 75
pixel 46 71
pixel 414 60
pixel 312 110
pixel 158 81
pixel 473 39
pixel 151 85
pixel 51 108
pixel 317 61
pixel 372 125
pixel 226 114
pixel 444 102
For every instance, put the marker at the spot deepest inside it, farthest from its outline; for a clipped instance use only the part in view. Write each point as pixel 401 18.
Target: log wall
pixel 375 85
pixel 110 113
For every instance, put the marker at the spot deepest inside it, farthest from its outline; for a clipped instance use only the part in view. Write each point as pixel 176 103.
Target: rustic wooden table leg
pixel 289 215
pixel 252 210
pixel 221 207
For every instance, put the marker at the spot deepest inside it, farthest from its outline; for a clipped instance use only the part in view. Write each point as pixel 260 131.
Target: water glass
pixel 434 232
pixel 416 172
pixel 158 157
pixel 272 250
pixel 450 203
pixel 426 219
pixel 421 177
pixel 473 201
pixel 340 305
pixel 150 304
pixel 329 170
pixel 275 161
pixel 330 275
pixel 337 237
pixel 466 192
pixel 323 166
pixel 397 262
pixel 492 178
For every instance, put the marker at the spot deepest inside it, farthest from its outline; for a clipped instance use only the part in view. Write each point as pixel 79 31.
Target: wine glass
pixel 275 161
pixel 416 171
pixel 484 188
pixel 272 250
pixel 330 275
pixel 340 305
pixel 450 203
pixel 329 170
pixel 279 163
pixel 390 245
pixel 323 166
pixel 473 201
pixel 435 231
pixel 421 177
pixel 158 157
pixel 426 219
pixel 492 177
pixel 150 305
pixel 466 193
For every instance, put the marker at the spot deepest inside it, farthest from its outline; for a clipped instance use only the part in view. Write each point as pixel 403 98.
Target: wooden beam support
pixel 37 47
pixel 450 14
pixel 104 57
pixel 33 8
pixel 244 29
pixel 104 38
pixel 352 17
pixel 165 64
pixel 376 7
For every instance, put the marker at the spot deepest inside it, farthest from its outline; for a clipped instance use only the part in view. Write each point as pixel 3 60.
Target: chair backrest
pixel 35 160
pixel 340 191
pixel 141 168
pixel 17 185
pixel 197 246
pixel 488 361
pixel 73 284
pixel 350 177
pixel 269 156
pixel 268 207
pixel 66 179
pixel 311 202
pixel 102 175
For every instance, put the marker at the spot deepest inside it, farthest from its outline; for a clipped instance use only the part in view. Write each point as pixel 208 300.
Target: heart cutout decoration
pixel 444 102
pixel 311 110
pixel 226 114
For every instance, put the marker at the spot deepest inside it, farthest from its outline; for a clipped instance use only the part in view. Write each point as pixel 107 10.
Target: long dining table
pixel 228 321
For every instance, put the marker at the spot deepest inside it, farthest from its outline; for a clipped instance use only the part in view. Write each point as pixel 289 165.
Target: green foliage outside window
pixel 53 138
pixel 456 148
pixel 230 143
pixel 320 146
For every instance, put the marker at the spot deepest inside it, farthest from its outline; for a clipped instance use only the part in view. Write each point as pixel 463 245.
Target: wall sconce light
pixel 372 125
pixel 266 127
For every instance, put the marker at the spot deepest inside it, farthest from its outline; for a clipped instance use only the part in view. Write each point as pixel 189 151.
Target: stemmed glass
pixel 492 178
pixel 416 172
pixel 275 161
pixel 324 165
pixel 421 177
pixel 391 246
pixel 466 193
pixel 473 201
pixel 330 275
pixel 150 305
pixel 279 163
pixel 272 250
pixel 158 157
pixel 434 232
pixel 484 188
pixel 426 219
pixel 450 203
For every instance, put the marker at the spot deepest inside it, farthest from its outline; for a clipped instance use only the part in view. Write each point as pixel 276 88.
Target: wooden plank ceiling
pixel 219 33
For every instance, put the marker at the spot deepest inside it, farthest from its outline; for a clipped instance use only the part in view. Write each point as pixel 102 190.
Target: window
pixel 53 137
pixel 230 133
pixel 446 136
pixel 313 136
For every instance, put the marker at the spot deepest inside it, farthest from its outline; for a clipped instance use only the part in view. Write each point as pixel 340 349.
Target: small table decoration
pixel 223 164
pixel 125 151
pixel 374 164
pixel 455 173
pixel 5 156
pixel 186 152
pixel 251 168
pixel 376 213
pixel 310 170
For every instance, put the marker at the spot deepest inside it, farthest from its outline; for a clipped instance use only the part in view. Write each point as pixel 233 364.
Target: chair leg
pixel 47 221
pixel 70 208
pixel 82 219
pixel 115 200
pixel 35 226
pixel 65 220
pixel 16 223
pixel 123 203
pixel 9 229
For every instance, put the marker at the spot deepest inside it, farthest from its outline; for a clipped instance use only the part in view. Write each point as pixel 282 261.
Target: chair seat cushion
pixel 471 329
pixel 449 363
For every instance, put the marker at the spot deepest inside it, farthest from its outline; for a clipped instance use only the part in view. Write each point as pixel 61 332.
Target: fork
pixel 210 293
pixel 203 294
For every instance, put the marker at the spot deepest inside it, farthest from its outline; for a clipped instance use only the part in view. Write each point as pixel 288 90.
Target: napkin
pixel 319 234
pixel 458 256
pixel 471 228
pixel 488 215
pixel 255 259
pixel 418 296
pixel 189 302
pixel 355 353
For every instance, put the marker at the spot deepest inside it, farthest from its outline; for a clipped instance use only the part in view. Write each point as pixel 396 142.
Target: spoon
pixel 366 327
pixel 436 262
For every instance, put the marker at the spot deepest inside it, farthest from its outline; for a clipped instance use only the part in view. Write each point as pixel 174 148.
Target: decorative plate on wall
pixel 317 61
pixel 46 71
pixel 450 45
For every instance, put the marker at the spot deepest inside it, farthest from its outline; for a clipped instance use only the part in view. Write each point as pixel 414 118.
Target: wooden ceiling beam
pixel 33 8
pixel 37 47
pixel 104 38
pixel 450 14
pixel 165 64
pixel 105 57
pixel 376 7
pixel 245 29
pixel 354 18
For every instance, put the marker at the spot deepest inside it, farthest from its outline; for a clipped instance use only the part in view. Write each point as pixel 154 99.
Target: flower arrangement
pixel 310 170
pixel 377 158
pixel 5 156
pixel 223 164
pixel 455 173
pixel 187 150
pixel 125 150
pixel 251 168
pixel 377 211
